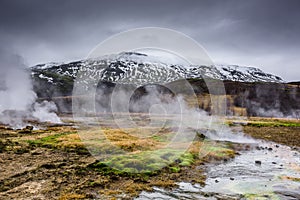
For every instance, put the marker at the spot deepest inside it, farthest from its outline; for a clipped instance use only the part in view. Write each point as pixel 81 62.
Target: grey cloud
pixel 232 31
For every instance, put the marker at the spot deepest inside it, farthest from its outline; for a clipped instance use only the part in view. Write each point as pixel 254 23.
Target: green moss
pixel 48 141
pixel 216 150
pixel 175 169
pixel 145 163
pixel 186 159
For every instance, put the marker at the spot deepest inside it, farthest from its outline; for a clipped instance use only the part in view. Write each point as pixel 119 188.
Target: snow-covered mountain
pixel 140 68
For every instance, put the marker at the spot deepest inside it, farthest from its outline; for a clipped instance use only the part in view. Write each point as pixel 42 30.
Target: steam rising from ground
pixel 165 109
pixel 17 99
pixel 272 100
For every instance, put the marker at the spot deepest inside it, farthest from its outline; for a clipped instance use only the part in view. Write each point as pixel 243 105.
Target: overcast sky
pixel 262 33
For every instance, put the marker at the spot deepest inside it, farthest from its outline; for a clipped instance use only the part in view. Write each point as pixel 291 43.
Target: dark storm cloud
pixel 263 33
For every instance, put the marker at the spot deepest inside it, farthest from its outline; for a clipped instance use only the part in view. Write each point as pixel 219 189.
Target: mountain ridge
pixel 249 90
pixel 140 68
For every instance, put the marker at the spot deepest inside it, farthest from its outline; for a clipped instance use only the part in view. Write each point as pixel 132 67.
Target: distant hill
pixel 250 90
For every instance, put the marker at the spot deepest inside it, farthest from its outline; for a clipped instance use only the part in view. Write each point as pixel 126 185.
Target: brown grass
pixel 70 141
pixel 284 135
pixel 127 139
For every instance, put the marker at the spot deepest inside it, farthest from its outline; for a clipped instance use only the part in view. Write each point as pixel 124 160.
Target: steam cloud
pixel 165 110
pixel 273 100
pixel 17 99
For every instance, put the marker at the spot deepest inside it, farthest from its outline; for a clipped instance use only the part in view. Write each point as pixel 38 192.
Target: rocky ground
pixel 53 163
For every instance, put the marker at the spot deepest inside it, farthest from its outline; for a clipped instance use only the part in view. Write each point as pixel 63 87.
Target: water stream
pixel 267 171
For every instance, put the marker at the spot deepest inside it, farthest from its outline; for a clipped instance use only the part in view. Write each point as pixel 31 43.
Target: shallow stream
pixel 267 171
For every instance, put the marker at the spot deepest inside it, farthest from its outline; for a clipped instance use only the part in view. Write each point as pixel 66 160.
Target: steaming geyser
pixel 17 99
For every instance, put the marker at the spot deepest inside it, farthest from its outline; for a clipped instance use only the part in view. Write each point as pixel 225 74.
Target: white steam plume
pixel 17 98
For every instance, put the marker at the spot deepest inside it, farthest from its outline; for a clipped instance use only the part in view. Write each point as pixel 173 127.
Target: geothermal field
pixel 59 161
pixel 156 141
pixel 149 100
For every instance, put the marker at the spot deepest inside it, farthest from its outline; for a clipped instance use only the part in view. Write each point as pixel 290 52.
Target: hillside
pixel 249 90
